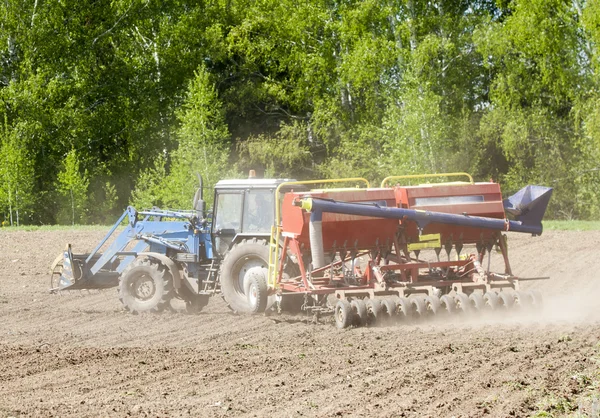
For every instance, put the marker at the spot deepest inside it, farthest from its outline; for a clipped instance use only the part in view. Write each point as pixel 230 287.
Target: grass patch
pixel 571 225
pixel 29 228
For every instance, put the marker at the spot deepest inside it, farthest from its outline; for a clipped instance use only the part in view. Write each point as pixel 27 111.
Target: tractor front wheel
pixel 145 286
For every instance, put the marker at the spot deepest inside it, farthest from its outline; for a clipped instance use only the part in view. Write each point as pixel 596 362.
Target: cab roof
pixel 252 183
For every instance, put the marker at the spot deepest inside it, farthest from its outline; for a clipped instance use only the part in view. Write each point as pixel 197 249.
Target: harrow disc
pixel 374 312
pixel 491 301
pixel 447 304
pixel 477 302
pixel 388 307
pixel 523 300
pixel 418 307
pixel 506 300
pixel 403 309
pixel 359 308
pixel 463 304
pixel 433 305
pixel 537 299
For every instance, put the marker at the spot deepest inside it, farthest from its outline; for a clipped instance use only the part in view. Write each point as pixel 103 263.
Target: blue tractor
pixel 191 255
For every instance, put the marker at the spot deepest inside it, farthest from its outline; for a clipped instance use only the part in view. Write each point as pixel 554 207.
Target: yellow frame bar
pixel 416 176
pixel 276 229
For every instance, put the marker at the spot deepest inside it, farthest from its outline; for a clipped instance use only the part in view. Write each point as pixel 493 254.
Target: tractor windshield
pixel 228 213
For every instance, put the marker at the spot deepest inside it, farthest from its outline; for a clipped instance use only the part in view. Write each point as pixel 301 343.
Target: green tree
pixel 72 185
pixel 16 176
pixel 203 149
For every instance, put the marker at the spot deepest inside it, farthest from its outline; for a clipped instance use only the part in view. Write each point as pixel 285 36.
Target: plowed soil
pixel 83 355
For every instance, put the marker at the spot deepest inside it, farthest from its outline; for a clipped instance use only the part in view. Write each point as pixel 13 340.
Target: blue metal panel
pixel 139 247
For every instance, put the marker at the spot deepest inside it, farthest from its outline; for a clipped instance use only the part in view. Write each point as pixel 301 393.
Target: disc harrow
pixel 422 308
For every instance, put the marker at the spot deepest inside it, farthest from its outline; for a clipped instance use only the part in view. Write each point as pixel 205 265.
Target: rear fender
pixel 170 264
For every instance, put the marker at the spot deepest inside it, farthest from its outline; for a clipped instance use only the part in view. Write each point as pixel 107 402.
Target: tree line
pixel 108 103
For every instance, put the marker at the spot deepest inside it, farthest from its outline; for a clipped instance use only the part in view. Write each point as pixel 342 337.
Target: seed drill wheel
pixel 145 286
pixel 235 280
pixel 343 314
pixel 256 289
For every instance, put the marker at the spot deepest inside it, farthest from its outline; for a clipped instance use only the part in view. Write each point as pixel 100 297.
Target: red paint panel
pixel 365 232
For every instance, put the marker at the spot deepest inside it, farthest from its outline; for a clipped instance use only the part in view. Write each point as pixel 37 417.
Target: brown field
pixel 83 355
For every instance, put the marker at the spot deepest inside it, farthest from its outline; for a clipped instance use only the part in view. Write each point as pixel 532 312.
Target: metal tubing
pixel 315 232
pixel 419 176
pixel 421 217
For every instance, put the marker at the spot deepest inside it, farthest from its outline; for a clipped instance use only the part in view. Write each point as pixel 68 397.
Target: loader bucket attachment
pixel 529 204
pixel 63 271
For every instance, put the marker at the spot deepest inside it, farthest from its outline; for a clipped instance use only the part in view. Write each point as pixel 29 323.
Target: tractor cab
pixel 243 208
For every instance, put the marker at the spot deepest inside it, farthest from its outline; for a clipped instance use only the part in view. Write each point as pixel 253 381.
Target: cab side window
pixel 258 211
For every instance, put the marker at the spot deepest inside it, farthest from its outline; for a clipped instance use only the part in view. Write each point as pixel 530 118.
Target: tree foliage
pixel 141 95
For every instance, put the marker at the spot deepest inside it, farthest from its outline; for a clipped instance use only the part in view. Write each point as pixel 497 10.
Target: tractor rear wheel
pixel 235 277
pixel 145 286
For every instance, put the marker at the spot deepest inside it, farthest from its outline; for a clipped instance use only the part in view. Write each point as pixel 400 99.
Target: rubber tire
pixel 417 307
pixel 404 311
pixel 343 314
pixel 432 305
pixel 506 300
pixel 491 301
pixel 462 303
pixel 257 289
pixel 359 307
pixel 230 268
pixel 476 301
pixel 448 304
pixel 374 313
pixel 162 281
